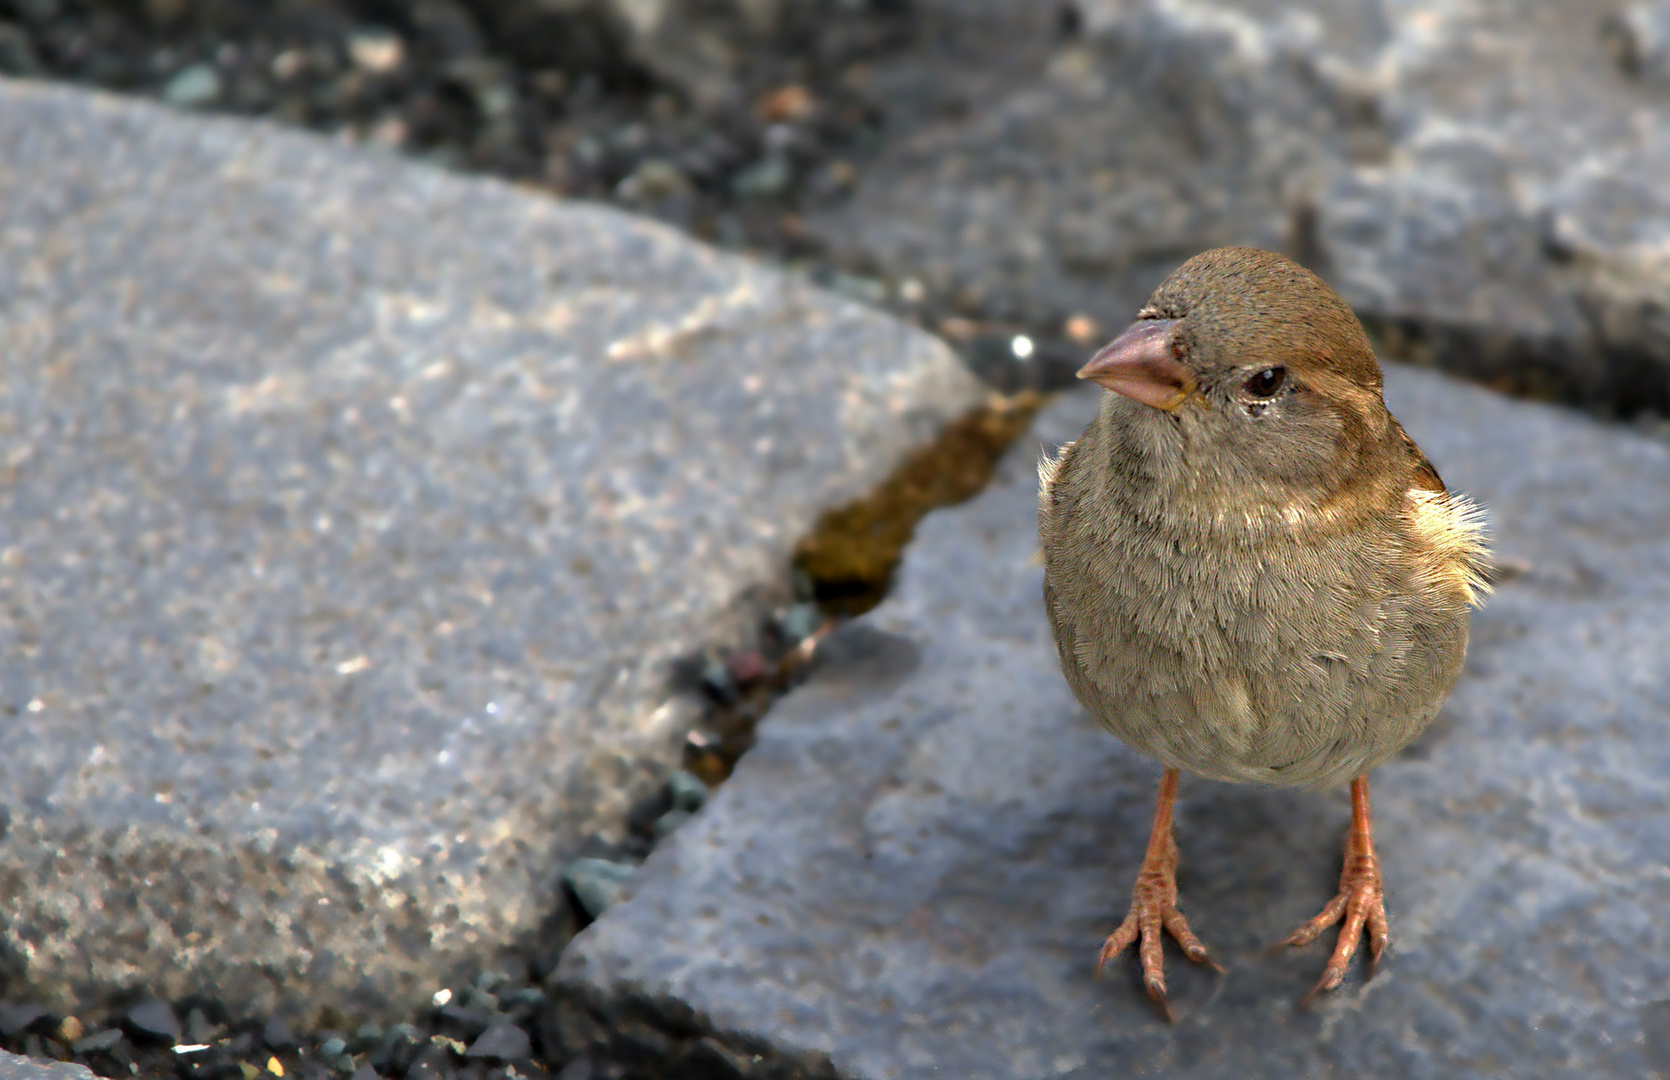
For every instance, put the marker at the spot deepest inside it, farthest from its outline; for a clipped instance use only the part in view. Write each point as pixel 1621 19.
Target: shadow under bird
pixel 1251 571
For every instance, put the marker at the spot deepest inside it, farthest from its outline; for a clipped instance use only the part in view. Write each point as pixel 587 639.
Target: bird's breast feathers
pixel 1303 658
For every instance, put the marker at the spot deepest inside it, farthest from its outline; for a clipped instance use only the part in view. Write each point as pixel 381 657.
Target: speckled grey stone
pixel 13 1067
pixel 912 872
pixel 353 515
pixel 1483 180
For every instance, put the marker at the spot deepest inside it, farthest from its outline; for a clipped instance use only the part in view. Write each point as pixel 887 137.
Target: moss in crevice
pixel 851 553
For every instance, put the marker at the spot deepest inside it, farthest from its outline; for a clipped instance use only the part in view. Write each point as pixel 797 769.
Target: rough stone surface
pixel 354 513
pixel 912 872
pixel 13 1067
pixel 1480 179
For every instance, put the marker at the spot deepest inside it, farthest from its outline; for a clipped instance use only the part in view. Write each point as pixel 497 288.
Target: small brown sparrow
pixel 1251 571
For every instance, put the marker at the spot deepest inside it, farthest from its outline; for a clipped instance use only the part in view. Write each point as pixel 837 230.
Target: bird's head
pixel 1250 379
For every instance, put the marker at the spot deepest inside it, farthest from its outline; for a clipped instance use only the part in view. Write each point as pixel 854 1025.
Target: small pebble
pixel 868 290
pixel 288 64
pixel 654 178
pixel 596 883
pixel 781 138
pixel 69 1029
pixel 335 1046
pixel 481 1000
pixel 276 1034
pixel 707 762
pixel 717 681
pixel 193 87
pixel 668 823
pixel 766 178
pixel 98 1040
pixel 786 103
pixel 447 1042
pixel 1081 329
pixel 365 1072
pixel 799 622
pixel 199 1029
pixel 376 52
pixel 501 1042
pixel 400 1046
pixel 747 667
pixel 529 998
pixel 466 1021
pixel 832 179
pixel 685 790
pixel 588 150
pixel 155 1020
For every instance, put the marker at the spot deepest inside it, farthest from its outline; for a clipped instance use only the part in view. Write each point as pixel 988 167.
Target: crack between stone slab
pixel 843 568
pixel 656 1036
pixel 1630 383
pixel 853 550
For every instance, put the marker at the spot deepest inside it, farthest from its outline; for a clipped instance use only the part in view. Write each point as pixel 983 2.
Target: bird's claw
pixel 1153 914
pixel 1360 904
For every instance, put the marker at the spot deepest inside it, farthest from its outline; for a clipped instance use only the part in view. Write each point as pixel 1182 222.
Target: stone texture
pixel 13 1067
pixel 1513 224
pixel 912 872
pixel 1479 179
pixel 1038 176
pixel 354 514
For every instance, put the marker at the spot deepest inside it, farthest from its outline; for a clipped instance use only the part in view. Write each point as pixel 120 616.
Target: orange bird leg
pixel 1154 905
pixel 1360 902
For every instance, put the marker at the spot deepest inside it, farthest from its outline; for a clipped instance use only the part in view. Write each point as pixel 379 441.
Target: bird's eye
pixel 1265 383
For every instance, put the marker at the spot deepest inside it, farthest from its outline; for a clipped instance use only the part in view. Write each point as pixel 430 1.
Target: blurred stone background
pixel 547 500
pixel 1479 178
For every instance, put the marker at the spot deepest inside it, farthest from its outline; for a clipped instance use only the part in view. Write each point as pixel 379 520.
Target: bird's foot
pixel 1360 903
pixel 1154 908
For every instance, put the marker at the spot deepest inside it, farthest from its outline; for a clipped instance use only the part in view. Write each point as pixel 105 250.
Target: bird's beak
pixel 1141 363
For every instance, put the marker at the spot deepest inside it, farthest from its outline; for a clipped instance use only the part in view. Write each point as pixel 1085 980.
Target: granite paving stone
pixel 911 874
pixel 352 515
pixel 13 1067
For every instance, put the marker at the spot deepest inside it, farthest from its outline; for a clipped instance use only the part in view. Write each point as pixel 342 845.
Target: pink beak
pixel 1141 363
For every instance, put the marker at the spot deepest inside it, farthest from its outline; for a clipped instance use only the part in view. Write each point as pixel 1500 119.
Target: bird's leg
pixel 1154 905
pixel 1360 902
